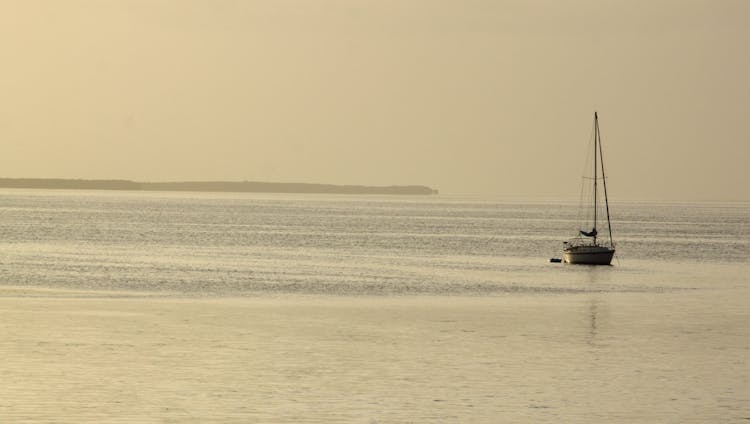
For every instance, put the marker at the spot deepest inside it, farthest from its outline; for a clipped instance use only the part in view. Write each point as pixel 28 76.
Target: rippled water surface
pixel 220 244
pixel 189 307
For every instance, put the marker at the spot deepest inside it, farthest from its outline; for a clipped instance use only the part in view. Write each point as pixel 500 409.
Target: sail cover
pixel 591 233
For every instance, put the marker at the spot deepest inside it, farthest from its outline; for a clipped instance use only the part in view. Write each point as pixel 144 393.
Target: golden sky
pixel 471 96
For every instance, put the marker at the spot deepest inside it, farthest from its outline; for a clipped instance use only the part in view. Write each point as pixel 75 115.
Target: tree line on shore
pixel 211 186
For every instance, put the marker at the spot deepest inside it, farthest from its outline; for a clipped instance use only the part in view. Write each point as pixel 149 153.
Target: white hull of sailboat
pixel 589 255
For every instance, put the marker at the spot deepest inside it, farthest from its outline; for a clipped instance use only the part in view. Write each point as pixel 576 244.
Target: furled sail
pixel 591 233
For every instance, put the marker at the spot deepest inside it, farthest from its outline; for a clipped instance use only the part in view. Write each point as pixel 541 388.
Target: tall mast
pixel 606 201
pixel 596 136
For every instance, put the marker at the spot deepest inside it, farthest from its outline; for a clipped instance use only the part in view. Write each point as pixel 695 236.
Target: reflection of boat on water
pixel 586 247
pixel 596 308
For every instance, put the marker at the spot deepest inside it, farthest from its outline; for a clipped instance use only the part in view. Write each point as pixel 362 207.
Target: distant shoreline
pixel 212 186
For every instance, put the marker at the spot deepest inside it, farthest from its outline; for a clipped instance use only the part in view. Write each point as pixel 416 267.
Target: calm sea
pixel 236 244
pixel 123 307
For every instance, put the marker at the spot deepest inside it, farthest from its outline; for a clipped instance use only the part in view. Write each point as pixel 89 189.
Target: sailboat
pixel 587 246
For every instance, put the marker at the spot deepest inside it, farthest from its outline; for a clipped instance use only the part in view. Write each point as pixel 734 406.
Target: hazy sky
pixel 469 96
